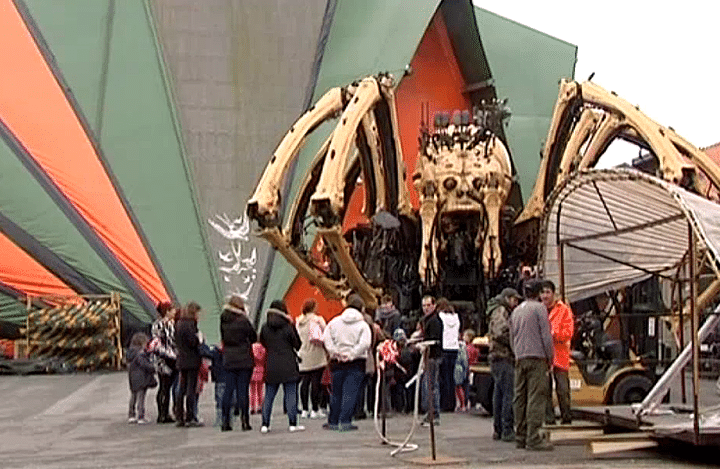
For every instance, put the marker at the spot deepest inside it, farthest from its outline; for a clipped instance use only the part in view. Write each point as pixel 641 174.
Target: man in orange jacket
pixel 562 325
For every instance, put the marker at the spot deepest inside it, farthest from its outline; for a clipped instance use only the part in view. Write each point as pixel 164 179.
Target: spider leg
pixel 587 119
pixel 327 204
pixel 264 205
pixel 494 194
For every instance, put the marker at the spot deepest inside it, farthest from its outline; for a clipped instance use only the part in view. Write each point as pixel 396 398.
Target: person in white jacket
pixel 450 345
pixel 347 341
pixel 311 328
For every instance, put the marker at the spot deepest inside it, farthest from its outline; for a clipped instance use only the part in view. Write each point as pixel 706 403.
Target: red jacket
pixel 562 325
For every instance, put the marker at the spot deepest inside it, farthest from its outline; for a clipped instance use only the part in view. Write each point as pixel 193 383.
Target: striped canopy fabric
pixel 97 196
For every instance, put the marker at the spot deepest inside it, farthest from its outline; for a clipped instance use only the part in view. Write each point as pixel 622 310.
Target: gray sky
pixel 662 58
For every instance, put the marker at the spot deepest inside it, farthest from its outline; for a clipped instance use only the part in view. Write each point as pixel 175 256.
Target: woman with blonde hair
pixel 313 360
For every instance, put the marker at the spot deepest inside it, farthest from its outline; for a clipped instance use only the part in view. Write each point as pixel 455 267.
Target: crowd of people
pixel 330 370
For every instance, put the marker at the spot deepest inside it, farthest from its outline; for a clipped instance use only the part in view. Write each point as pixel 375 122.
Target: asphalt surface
pixel 79 421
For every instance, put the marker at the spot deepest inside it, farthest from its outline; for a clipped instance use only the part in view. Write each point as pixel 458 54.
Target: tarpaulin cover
pixel 120 84
pixel 620 226
pixel 58 142
pixel 97 194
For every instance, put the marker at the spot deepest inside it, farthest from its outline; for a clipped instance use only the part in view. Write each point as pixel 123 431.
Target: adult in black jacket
pixel 432 328
pixel 187 341
pixel 281 340
pixel 237 335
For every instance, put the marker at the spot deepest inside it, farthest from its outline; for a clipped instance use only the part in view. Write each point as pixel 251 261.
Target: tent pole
pixel 681 308
pixel 28 307
pixel 693 337
pixel 561 261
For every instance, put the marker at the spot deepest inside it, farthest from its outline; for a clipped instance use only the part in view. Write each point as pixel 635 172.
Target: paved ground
pixel 79 421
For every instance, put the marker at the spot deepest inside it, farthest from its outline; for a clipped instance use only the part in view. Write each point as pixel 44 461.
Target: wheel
pixel 631 388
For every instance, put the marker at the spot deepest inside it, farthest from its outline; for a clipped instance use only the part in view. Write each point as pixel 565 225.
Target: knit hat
pixel 510 293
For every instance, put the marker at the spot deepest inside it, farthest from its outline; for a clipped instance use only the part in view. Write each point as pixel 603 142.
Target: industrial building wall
pixel 241 71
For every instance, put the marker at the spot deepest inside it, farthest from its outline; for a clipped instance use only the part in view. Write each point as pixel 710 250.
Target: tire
pixel 631 389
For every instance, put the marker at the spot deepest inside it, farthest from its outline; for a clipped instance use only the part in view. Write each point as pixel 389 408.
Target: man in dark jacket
pixel 502 362
pixel 432 328
pixel 237 335
pixel 532 344
pixel 187 341
pixel 281 340
pixel 387 315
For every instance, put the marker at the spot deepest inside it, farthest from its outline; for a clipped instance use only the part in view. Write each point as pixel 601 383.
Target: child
pixel 409 360
pixel 217 373
pixel 326 382
pixel 473 353
pixel 141 376
pixel 473 358
pixel 203 377
pixel 461 376
pixel 257 380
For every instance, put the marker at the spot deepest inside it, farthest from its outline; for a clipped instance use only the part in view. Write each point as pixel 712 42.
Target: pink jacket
pixel 259 354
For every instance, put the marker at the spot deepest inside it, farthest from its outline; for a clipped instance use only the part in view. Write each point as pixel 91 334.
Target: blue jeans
pixel 431 373
pixel 236 385
pixel 290 401
pixel 503 373
pixel 346 383
pixel 219 393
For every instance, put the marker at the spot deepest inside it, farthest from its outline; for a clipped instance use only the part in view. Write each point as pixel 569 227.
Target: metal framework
pixel 570 245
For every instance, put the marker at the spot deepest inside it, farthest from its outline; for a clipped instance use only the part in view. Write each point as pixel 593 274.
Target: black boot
pixel 225 427
pixel 180 416
pixel 246 421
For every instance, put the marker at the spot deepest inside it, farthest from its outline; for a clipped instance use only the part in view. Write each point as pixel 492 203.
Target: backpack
pixel 461 365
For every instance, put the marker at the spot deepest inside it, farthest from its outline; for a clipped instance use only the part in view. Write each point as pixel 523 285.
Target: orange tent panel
pixel 437 81
pixel 20 271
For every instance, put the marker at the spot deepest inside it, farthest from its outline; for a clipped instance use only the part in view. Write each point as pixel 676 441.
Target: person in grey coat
pixel 141 377
pixel 532 344
pixel 281 340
